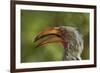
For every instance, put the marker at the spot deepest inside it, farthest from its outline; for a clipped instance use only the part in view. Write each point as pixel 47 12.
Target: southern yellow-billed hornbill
pixel 68 36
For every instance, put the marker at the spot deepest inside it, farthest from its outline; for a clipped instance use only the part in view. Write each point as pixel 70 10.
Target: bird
pixel 69 37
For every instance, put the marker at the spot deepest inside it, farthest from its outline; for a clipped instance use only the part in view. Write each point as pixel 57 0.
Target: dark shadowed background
pixel 32 22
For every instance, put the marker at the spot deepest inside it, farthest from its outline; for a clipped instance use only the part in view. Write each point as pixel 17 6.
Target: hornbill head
pixel 68 36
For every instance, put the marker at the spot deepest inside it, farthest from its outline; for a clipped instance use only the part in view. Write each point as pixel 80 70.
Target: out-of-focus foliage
pixel 32 22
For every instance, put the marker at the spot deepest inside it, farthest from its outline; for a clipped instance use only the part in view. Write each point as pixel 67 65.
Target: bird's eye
pixel 78 30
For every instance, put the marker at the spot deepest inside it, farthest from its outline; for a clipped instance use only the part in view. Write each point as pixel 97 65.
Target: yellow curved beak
pixel 50 31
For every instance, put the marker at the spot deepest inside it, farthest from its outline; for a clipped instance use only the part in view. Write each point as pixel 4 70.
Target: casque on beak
pixel 57 36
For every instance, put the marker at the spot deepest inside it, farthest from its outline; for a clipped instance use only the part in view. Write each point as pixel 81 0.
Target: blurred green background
pixel 32 22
